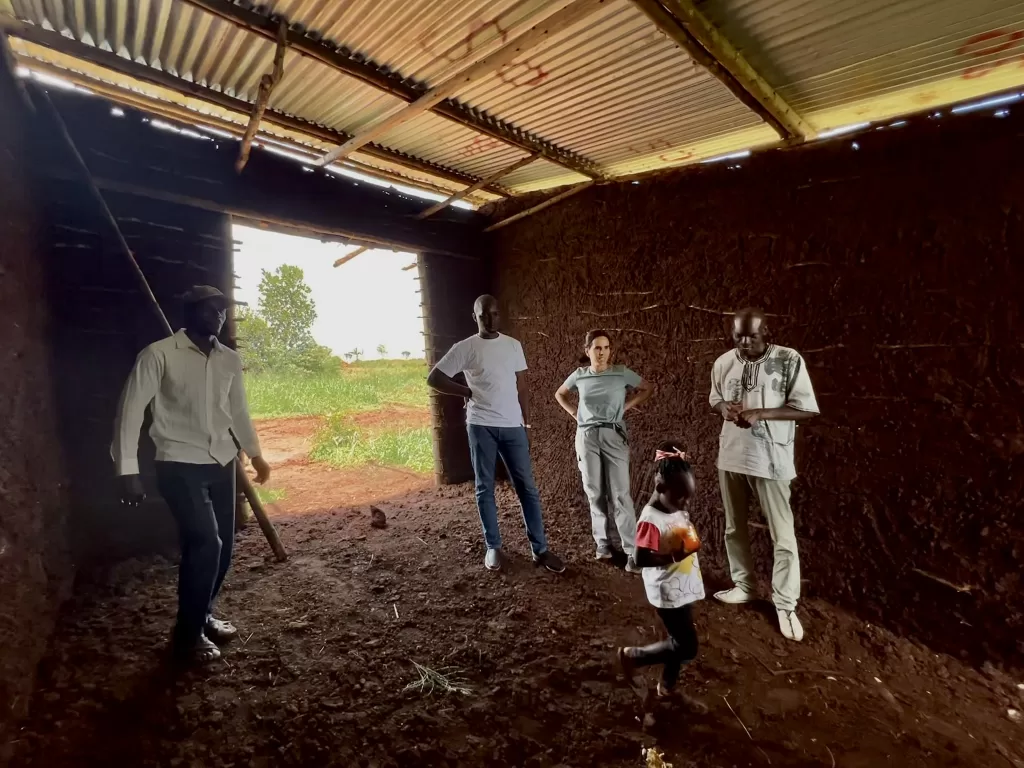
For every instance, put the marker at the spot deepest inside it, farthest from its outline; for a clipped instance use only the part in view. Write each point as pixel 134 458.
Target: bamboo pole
pixel 243 480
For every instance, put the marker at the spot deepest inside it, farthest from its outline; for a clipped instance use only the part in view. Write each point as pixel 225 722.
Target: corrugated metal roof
pixel 613 88
pixel 841 61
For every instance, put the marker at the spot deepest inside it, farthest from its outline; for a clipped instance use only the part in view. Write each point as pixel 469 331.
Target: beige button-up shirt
pixel 198 404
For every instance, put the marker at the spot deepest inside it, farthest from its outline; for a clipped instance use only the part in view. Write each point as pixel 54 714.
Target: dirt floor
pixel 328 639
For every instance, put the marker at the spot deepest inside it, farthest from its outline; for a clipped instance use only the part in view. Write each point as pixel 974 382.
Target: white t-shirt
pixel 490 366
pixel 777 379
pixel 678 584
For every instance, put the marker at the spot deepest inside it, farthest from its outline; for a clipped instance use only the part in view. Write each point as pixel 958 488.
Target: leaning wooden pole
pixel 243 480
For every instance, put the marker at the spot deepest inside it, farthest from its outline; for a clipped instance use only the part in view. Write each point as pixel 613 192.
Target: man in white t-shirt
pixel 760 390
pixel 497 419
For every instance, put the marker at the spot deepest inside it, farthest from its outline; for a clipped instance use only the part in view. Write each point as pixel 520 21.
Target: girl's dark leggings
pixel 679 649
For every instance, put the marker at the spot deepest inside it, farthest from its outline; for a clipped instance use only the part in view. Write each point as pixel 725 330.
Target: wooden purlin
pixel 393 84
pixel 575 190
pixel 127 68
pixel 558 22
pixel 480 184
pixel 691 30
pixel 187 118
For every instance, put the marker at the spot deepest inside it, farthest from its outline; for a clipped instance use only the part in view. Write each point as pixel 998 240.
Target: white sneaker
pixel 790 625
pixel 493 559
pixel 735 596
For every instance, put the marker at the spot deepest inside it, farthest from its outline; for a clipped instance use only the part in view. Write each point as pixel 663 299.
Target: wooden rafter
pixel 379 77
pixel 267 83
pixel 187 118
pixel 705 44
pixel 349 256
pixel 471 189
pixel 147 74
pixel 541 206
pixel 557 22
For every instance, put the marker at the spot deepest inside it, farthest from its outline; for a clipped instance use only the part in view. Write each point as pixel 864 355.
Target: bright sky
pixel 363 303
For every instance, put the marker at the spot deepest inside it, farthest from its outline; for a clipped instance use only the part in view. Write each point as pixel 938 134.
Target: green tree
pixel 278 336
pixel 355 354
pixel 406 355
pixel 256 342
pixel 286 304
pixel 382 351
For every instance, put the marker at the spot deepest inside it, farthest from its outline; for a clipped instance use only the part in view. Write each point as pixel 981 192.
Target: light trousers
pixel 737 492
pixel 603 456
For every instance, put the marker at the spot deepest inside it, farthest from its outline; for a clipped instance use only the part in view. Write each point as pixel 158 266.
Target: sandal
pixel 201 652
pixel 219 631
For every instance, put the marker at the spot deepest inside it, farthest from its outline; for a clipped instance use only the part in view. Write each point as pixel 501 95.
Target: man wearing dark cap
pixel 200 417
pixel 497 418
pixel 761 390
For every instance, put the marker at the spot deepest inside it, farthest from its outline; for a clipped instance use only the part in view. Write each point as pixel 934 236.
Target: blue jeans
pixel 486 444
pixel 202 500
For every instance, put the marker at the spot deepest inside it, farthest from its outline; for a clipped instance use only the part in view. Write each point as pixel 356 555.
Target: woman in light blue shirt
pixel 605 392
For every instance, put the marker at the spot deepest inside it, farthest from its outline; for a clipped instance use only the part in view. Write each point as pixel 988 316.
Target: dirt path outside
pixel 309 485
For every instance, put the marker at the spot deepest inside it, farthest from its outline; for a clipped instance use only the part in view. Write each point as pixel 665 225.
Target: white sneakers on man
pixel 735 596
pixel 790 625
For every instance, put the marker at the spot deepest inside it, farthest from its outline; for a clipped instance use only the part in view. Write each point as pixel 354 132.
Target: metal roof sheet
pixel 612 88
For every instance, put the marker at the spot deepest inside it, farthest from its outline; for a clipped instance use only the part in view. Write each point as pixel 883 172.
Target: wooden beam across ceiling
pixel 186 118
pixel 574 190
pixel 450 88
pixel 705 44
pixel 349 256
pixel 341 60
pixel 426 214
pixel 147 74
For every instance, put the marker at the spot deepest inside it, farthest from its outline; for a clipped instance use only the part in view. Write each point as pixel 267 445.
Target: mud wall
pixel 895 267
pixel 34 564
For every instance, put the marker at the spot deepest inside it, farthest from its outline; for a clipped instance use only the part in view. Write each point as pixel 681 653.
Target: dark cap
pixel 199 293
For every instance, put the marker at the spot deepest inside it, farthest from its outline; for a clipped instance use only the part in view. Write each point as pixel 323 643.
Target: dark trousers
pixel 202 500
pixel 679 649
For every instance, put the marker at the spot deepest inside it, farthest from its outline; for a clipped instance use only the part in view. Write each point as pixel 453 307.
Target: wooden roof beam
pixel 341 60
pixel 575 190
pixel 705 44
pixel 538 33
pixel 349 256
pixel 470 190
pixel 188 118
pixel 123 66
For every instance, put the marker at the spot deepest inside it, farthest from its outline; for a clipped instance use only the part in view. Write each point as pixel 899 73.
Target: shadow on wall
pixel 895 271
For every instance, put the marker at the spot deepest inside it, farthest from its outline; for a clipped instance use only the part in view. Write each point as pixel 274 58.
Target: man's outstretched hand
pixel 262 469
pixel 132 491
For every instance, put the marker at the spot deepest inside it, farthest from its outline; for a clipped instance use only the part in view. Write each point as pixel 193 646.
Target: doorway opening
pixel 335 370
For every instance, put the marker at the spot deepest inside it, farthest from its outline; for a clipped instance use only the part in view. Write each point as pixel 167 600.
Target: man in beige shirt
pixel 200 418
pixel 761 390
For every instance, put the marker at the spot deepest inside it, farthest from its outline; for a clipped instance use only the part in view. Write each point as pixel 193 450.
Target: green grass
pixel 269 495
pixel 367 386
pixel 346 446
pixel 361 387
